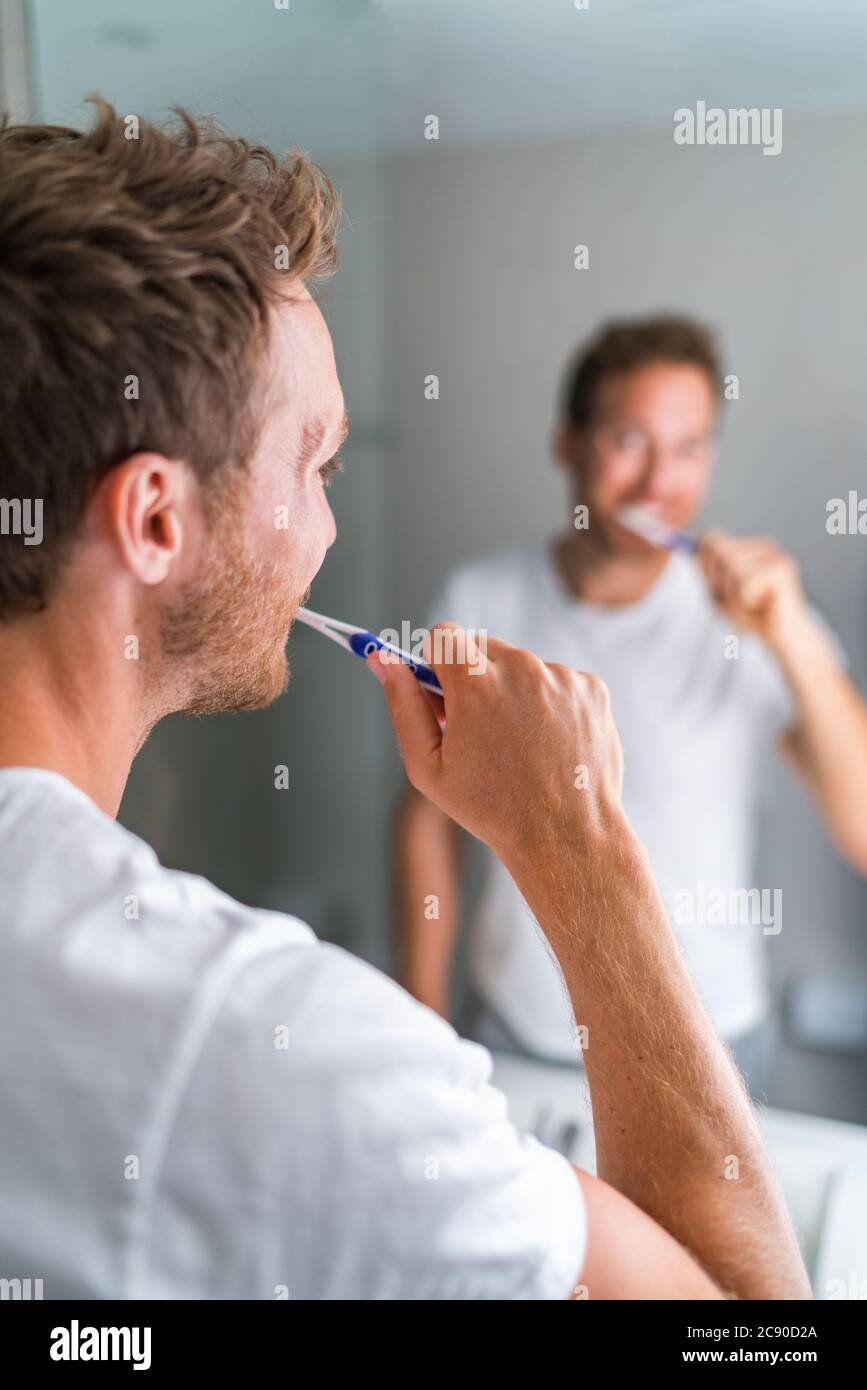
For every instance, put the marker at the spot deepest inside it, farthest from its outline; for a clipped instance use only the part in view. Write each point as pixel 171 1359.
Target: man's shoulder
pixel 94 888
pixel 495 566
pixel 326 1013
pixel 484 592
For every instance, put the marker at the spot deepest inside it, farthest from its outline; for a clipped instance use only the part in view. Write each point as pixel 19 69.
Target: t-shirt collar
pixel 569 606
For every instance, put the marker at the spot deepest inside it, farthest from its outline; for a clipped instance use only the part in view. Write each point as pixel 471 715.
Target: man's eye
pixel 327 471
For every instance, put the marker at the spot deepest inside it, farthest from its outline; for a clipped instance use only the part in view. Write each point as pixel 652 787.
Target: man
pixel 199 1099
pixel 709 661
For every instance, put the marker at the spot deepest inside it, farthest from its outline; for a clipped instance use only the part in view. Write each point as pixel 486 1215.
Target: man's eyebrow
pixel 313 435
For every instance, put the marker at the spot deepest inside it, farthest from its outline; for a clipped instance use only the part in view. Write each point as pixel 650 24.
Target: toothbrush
pixel 657 532
pixel 361 642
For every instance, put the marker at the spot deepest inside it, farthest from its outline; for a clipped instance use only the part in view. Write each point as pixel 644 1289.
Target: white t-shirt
pixel 200 1100
pixel 696 729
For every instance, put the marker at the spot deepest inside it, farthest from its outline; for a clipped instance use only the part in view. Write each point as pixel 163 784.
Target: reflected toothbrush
pixel 651 528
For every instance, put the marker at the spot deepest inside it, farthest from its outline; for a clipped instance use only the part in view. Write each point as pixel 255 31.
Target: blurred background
pixel 555 128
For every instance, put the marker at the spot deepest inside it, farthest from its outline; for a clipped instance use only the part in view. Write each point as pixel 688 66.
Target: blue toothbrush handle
pixel 681 541
pixel 363 643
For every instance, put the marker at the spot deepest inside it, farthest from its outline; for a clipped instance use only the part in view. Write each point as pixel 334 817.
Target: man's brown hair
pixel 138 266
pixel 624 345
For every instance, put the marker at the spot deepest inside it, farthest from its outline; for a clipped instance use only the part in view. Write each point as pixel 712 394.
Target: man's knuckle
pixel 595 687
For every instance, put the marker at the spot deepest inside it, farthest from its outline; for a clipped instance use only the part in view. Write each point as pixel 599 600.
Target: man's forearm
pixel 674 1129
pixel 428 874
pixel 829 746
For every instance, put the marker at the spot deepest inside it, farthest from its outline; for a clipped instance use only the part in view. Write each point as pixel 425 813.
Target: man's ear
pixel 144 502
pixel 565 445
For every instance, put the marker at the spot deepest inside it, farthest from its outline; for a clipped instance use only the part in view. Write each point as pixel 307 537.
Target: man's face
pixel 227 628
pixel 649 445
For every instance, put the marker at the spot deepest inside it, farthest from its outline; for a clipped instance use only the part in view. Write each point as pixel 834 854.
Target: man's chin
pixel 242 689
pixel 627 543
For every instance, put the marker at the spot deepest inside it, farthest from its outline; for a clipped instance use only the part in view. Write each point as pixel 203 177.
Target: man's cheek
pixel 613 478
pixel 286 521
pixel 692 495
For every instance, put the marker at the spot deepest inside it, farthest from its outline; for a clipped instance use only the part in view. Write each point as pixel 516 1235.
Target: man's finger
pixel 455 652
pixel 419 736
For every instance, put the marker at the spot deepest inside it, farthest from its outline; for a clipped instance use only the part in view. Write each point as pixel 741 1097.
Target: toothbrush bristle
pixel 650 528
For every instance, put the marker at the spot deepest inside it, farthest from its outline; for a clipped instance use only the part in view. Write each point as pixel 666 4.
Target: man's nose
pixel 659 475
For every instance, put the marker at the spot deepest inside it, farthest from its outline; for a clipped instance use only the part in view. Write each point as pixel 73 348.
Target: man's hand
pixel 757 584
pixel 504 766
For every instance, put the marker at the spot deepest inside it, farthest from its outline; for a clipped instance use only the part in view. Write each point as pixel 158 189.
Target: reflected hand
pixel 757 584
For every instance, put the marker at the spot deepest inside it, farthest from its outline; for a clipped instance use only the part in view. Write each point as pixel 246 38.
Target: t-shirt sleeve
pixel 372 1149
pixel 443 1197
pixel 469 1208
pixel 459 598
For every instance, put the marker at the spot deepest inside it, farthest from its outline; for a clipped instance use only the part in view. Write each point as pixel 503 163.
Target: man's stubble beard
pixel 223 639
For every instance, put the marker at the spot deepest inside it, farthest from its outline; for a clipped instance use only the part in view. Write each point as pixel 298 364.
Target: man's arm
pixel 427 867
pixel 757 584
pixel 630 1256
pixel 675 1131
pixel 828 746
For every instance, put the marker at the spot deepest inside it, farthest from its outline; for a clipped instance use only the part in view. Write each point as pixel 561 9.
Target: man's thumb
pixel 415 723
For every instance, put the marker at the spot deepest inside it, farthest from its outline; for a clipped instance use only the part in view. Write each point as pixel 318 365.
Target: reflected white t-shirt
pixel 697 726
pixel 200 1100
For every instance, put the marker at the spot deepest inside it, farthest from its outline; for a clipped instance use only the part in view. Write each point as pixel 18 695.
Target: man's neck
pixel 65 707
pixel 592 571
